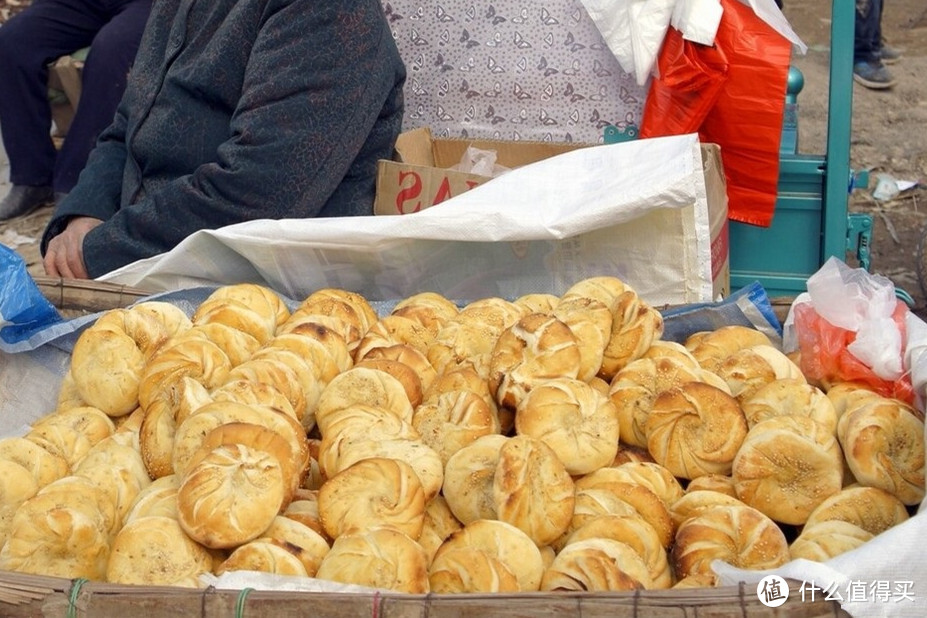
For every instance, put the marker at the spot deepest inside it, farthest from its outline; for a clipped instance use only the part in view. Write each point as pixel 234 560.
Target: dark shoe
pixel 889 54
pixel 873 75
pixel 24 199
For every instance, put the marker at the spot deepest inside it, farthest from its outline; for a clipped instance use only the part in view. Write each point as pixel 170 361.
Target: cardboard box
pixel 420 177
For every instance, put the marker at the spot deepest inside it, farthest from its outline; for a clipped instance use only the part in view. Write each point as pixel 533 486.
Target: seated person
pixel 235 110
pixel 43 32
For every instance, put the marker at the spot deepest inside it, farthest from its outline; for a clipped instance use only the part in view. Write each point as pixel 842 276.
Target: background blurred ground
pixel 888 136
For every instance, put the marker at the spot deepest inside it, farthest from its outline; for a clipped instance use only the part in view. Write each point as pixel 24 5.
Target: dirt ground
pixel 888 136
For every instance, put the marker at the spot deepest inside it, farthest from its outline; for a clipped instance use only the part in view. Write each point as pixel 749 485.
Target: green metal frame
pixel 811 223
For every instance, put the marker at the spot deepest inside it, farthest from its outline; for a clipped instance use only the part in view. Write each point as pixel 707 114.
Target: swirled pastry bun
pixel 695 429
pixel 381 558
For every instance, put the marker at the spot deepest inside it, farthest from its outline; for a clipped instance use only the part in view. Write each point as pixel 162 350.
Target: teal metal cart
pixel 811 222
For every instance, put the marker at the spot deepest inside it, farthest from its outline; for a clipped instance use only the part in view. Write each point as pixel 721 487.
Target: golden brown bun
pixel 739 535
pixel 651 475
pixel 713 482
pixel 410 356
pixel 17 484
pixel 597 565
pixel 827 539
pixel 191 433
pixel 58 534
pixel 107 368
pixel 265 301
pixel 44 466
pixel 470 570
pixel 118 469
pixel 637 534
pixel 504 542
pixel 468 338
pixel 302 541
pixel 749 369
pixel 254 393
pixel 235 314
pixel 423 459
pixel 452 420
pixel 288 376
pixel 63 441
pixel 536 348
pixel 366 313
pixel 155 551
pixel 231 496
pixel 883 442
pixel 468 479
pixel 540 302
pixel 635 326
pixel 257 437
pixel 464 378
pixel 602 493
pixel 264 555
pixel 373 493
pixel 439 524
pixel 157 499
pixel 306 379
pixel 394 330
pixel 340 315
pixel 406 375
pixel 636 386
pixel 790 396
pixel 699 500
pixel 671 349
pixel 333 343
pixel 787 466
pixel 532 489
pixel 237 345
pixel 172 318
pixel 579 423
pixel 305 510
pixel 695 429
pixel 590 321
pixel 187 356
pixel 605 289
pixel 849 395
pixel 363 385
pixel 429 309
pixel 872 509
pixel 711 348
pixel 144 327
pixel 378 558
pixel 87 420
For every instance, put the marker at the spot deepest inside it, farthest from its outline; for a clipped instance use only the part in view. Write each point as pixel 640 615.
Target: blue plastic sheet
pixel 24 311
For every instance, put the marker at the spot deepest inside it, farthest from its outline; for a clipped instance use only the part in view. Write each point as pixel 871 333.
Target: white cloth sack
pixel 636 210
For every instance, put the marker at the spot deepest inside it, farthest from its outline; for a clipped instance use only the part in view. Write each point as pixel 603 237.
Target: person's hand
pixel 65 254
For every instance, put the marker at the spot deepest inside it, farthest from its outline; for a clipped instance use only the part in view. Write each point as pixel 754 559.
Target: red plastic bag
pixel 826 359
pixel 731 94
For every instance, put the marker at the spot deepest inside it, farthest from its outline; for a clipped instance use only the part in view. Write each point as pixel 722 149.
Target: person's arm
pixel 316 82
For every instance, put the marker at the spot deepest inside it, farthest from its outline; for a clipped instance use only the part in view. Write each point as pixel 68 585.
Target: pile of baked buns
pixel 544 443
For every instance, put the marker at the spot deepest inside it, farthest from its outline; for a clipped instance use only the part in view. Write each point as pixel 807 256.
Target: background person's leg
pixel 29 41
pixel 103 81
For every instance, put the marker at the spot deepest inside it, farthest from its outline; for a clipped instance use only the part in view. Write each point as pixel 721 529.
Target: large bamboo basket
pixel 23 595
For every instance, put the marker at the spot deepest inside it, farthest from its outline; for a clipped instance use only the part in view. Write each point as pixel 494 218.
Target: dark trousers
pixel 868 40
pixel 45 31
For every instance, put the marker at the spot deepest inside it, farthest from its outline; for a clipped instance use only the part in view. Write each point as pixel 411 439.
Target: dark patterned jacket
pixel 239 110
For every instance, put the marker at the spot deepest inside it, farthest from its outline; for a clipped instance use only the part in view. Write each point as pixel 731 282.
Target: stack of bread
pixel 542 443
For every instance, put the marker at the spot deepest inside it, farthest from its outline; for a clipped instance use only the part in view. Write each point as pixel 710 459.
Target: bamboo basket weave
pixel 24 596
